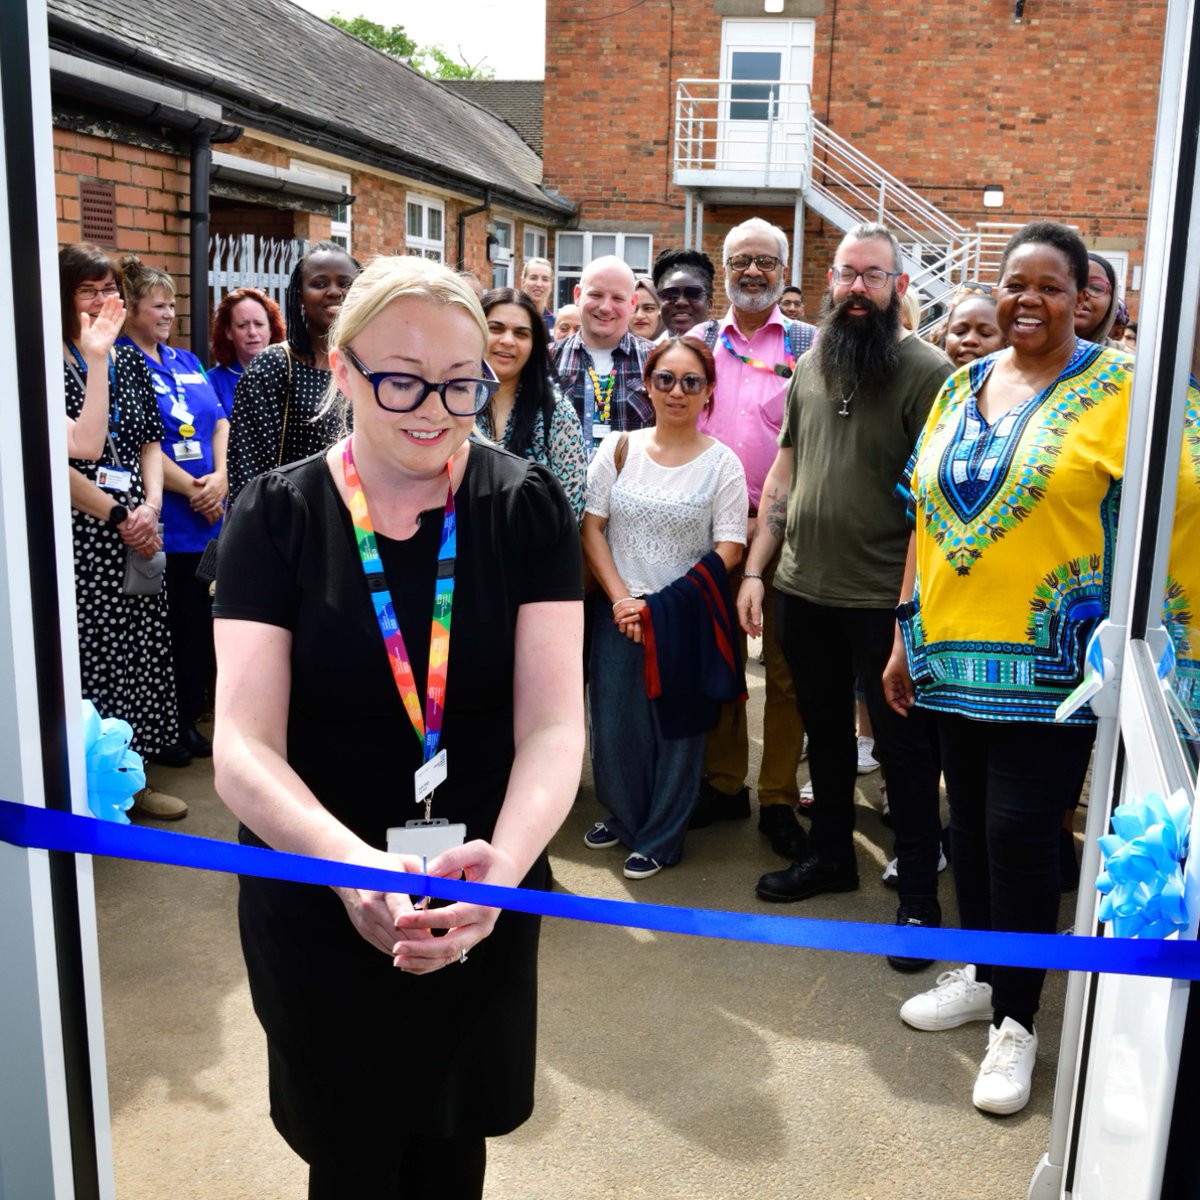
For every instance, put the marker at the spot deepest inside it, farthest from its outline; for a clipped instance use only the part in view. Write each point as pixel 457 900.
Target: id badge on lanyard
pixel 414 837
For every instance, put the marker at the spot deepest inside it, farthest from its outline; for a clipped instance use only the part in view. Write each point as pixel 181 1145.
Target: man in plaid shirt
pixel 601 366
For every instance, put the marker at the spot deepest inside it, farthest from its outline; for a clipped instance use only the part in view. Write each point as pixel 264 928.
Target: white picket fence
pixel 244 260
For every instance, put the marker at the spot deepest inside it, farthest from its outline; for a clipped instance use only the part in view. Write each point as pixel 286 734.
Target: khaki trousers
pixel 727 755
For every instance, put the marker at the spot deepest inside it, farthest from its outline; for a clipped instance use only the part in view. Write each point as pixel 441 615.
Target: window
pixel 574 251
pixel 502 261
pixel 339 225
pixel 534 245
pixel 426 228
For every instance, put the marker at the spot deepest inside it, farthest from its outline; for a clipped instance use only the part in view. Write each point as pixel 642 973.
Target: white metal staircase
pixel 748 139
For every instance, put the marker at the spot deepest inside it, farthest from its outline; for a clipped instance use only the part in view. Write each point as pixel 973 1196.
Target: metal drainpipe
pixel 462 225
pixel 198 266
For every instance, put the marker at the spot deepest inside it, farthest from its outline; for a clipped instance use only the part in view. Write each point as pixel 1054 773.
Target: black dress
pixel 258 438
pixel 362 1054
pixel 124 641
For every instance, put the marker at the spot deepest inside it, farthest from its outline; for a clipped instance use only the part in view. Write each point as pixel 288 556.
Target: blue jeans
pixel 649 783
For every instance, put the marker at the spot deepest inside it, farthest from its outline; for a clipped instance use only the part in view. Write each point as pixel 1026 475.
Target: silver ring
pixel 462 958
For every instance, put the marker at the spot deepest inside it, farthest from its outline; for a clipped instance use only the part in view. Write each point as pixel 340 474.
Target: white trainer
pixel 954 1000
pixel 891 873
pixel 1005 1078
pixel 866 759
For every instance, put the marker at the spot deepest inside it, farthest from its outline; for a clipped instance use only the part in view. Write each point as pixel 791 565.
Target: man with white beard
pixel 755 348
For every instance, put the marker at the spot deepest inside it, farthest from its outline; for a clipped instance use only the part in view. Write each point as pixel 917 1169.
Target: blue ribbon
pixel 1142 880
pixel 114 772
pixel 45 829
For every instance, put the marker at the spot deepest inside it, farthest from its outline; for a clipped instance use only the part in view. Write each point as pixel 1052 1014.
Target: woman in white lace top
pixel 658 500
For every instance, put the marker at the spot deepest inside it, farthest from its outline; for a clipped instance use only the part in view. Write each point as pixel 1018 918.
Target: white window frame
pixel 534 243
pixel 339 226
pixel 571 277
pixel 502 268
pixel 422 244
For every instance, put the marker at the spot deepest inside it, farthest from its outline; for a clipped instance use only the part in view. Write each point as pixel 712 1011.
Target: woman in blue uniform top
pixel 195 436
pixel 246 322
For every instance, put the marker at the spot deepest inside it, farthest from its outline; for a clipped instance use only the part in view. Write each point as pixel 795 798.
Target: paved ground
pixel 669 1066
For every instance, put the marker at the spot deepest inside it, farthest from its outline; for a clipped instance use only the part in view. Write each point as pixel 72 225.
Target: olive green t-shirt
pixel 846 535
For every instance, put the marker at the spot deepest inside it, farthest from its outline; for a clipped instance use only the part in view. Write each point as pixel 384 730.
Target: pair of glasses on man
pixel 665 381
pixel 873 277
pixel 672 295
pixel 87 291
pixel 400 393
pixel 741 262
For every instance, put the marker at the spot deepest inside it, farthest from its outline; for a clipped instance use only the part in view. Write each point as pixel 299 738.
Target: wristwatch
pixel 117 514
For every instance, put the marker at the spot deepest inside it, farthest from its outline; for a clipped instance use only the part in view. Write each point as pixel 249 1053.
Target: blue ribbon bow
pixel 1142 880
pixel 114 772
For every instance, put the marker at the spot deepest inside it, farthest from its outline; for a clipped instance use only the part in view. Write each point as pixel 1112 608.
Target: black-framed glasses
pixel 672 295
pixel 873 277
pixel 1098 288
pixel 89 291
pixel 400 393
pixel 741 262
pixel 665 381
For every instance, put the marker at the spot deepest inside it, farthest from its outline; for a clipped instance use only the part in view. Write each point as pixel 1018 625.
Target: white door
pixel 766 69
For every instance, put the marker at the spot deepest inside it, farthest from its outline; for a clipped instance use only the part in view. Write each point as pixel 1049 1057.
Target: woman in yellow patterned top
pixel 1014 488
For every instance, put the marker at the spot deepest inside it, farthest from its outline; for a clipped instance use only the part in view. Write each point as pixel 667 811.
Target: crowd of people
pixel 918 527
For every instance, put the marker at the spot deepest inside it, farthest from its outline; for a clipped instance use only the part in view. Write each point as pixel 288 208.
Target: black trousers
pixel 1009 783
pixel 827 649
pixel 425 1169
pixel 189 614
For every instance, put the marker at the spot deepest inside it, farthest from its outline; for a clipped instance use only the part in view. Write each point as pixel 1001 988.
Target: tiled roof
pixel 272 64
pixel 517 101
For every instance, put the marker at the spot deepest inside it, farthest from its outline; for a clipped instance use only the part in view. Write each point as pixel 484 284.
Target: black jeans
pixel 1009 783
pixel 827 649
pixel 425 1169
pixel 189 614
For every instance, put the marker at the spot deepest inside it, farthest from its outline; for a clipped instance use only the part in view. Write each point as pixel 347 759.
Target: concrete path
pixel 669 1066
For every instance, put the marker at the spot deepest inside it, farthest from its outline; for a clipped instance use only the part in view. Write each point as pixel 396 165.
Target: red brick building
pixel 1056 110
pixel 186 121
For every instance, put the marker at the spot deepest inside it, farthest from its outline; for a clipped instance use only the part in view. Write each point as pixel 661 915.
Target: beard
pixel 857 354
pixel 754 302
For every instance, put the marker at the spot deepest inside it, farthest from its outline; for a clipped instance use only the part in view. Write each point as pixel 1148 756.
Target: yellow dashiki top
pixel 1015 531
pixel 1181 610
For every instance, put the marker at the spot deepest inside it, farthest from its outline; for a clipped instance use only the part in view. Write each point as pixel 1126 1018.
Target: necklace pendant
pixel 844 411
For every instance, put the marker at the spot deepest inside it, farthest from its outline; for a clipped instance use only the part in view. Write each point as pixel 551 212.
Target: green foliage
pixel 429 60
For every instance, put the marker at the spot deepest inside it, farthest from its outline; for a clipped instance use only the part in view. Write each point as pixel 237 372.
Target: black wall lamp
pixel 1018 11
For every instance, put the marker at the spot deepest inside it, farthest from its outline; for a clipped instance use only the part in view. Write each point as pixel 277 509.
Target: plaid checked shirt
pixel 631 407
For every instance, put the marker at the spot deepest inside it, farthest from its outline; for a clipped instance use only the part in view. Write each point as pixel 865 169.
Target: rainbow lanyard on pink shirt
pixel 427 726
pixel 783 369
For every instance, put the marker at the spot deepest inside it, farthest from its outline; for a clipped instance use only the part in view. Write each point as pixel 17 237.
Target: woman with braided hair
pixel 278 399
pixel 684 279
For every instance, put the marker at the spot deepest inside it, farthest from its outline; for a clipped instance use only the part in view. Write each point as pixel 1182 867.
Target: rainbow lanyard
pixel 782 369
pixel 427 727
pixel 114 410
pixel 603 396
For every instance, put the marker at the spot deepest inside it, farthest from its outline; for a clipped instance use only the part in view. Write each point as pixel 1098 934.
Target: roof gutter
pixel 462 224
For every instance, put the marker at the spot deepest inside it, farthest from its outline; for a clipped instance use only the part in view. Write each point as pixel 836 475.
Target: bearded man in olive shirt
pixel 855 409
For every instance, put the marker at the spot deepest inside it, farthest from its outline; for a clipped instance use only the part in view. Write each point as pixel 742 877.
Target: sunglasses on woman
pixel 665 381
pixel 671 295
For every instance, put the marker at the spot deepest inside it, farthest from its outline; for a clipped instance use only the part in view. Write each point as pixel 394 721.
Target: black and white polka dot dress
pixel 258 440
pixel 124 641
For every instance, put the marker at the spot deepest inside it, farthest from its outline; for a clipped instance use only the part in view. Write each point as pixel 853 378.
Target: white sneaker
pixel 866 760
pixel 804 748
pixel 891 873
pixel 953 1001
pixel 1004 1080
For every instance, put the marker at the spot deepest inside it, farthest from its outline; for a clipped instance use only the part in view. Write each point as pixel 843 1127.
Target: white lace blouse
pixel 662 520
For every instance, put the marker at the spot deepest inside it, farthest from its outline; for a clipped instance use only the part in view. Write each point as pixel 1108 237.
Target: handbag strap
pixel 621 452
pixel 287 403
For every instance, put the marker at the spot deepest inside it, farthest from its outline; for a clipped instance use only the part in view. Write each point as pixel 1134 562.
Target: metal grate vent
pixel 98 207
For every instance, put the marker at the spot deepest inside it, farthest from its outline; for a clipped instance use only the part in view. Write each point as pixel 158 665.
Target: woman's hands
pixel 208 495
pixel 139 530
pixel 389 922
pixel 98 334
pixel 627 617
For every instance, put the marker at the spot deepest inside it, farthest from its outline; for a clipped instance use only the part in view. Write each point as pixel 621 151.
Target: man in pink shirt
pixel 755 347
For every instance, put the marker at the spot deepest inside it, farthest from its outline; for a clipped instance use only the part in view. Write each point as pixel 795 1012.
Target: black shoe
pixel 809 877
pixel 787 837
pixel 714 805
pixel 913 917
pixel 194 742
pixel 171 756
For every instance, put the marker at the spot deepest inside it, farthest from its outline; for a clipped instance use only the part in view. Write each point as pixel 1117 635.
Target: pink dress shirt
pixel 748 402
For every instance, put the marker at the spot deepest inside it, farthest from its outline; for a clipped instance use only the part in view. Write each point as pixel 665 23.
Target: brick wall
pixel 1060 110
